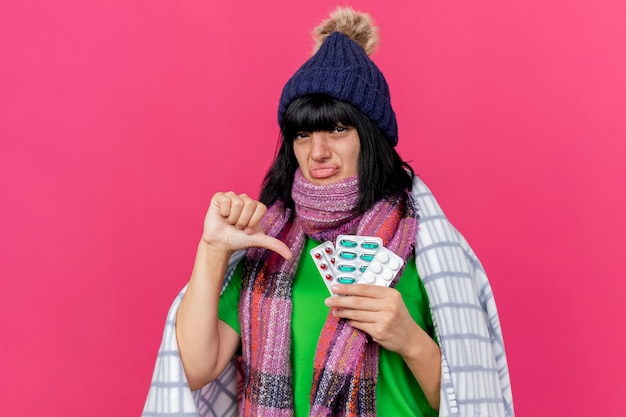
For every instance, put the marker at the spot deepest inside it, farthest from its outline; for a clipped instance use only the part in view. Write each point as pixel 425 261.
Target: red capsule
pixel 329 250
pixel 329 277
pixel 318 255
pixel 323 266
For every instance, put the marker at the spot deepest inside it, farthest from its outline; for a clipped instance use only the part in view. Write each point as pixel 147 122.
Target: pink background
pixel 119 119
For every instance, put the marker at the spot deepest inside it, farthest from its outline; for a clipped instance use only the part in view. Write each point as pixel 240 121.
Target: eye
pixel 301 135
pixel 339 129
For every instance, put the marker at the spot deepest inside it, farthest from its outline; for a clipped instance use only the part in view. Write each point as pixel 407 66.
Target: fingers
pixel 384 317
pixel 239 210
pixel 244 214
pixel 255 218
pixel 357 306
pixel 365 303
pixel 263 241
pixel 362 290
pixel 356 316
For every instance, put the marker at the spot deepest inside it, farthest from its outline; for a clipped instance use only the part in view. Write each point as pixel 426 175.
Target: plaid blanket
pixel 474 376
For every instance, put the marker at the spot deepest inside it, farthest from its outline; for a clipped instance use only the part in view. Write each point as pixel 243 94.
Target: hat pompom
pixel 357 26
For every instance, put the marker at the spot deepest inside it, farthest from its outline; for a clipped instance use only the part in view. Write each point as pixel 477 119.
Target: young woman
pixel 369 350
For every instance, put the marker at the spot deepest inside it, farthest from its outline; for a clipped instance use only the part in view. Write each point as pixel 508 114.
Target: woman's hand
pixel 233 222
pixel 207 344
pixel 381 313
pixel 378 311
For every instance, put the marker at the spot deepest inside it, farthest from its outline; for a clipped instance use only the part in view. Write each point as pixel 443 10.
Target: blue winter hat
pixel 341 68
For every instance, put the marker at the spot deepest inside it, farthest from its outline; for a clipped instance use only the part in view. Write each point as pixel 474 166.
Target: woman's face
pixel 326 157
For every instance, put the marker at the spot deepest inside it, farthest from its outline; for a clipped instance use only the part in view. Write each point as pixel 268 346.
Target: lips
pixel 322 172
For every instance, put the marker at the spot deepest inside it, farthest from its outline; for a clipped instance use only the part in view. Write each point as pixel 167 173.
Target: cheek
pixel 354 160
pixel 297 151
pixel 355 165
pixel 301 158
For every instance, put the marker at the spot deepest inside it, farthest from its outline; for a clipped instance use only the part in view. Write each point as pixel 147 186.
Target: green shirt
pixel 397 390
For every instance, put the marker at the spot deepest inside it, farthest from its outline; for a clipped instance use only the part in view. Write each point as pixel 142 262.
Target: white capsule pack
pixel 356 260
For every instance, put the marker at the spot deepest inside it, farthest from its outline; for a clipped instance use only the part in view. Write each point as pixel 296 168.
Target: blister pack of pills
pixel 356 259
pixel 383 268
pixel 353 254
pixel 324 258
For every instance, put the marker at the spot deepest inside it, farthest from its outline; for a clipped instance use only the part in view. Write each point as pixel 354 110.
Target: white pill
pixel 387 275
pixel 369 278
pixel 376 267
pixel 383 257
pixel 394 264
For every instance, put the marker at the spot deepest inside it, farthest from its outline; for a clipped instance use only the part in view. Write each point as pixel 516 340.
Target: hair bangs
pixel 316 112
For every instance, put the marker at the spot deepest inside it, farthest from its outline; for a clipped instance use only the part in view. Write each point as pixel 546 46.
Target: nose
pixel 319 146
